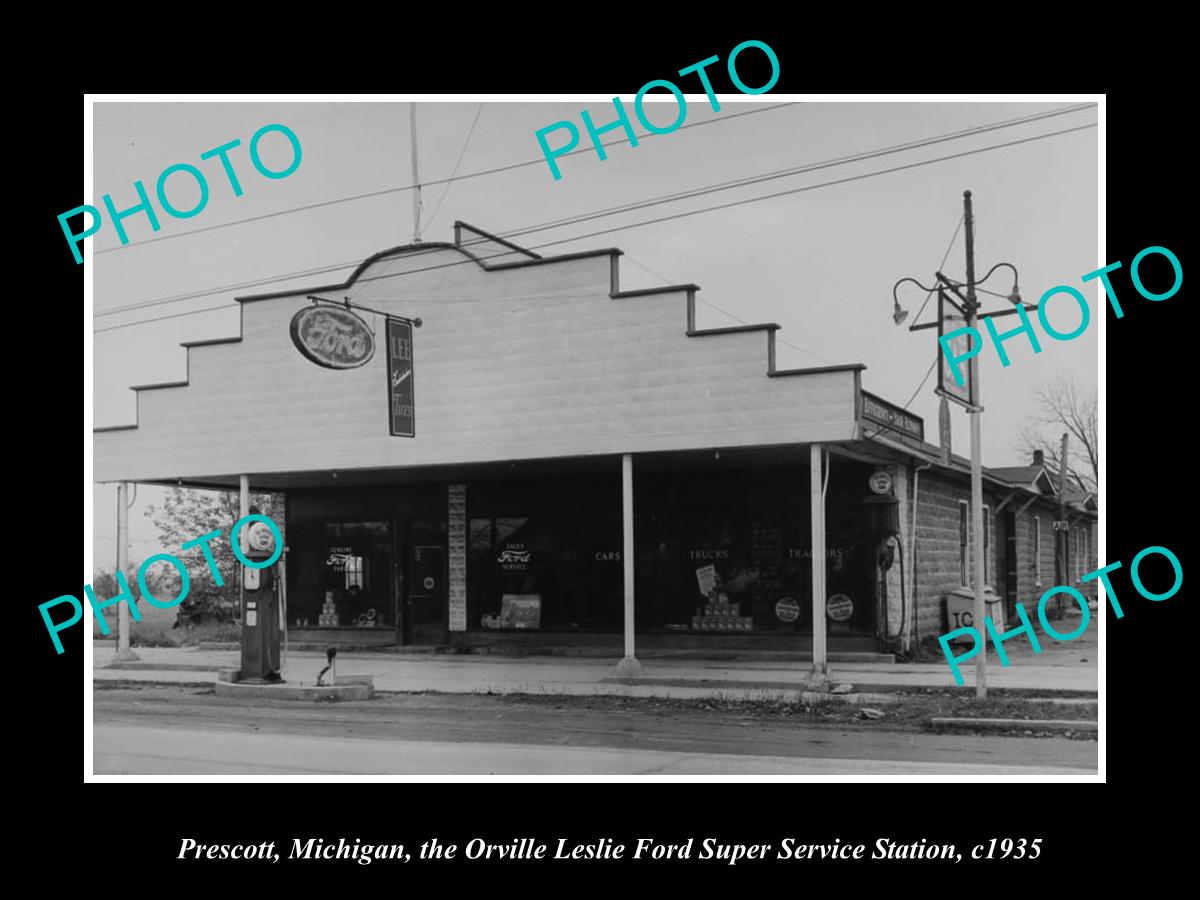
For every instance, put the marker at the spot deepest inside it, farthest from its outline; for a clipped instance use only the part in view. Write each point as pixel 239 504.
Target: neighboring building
pixel 1020 511
pixel 540 388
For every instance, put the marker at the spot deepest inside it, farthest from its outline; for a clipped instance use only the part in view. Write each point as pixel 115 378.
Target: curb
pixel 1015 693
pixel 1025 724
pixel 348 687
pixel 162 667
pixel 877 693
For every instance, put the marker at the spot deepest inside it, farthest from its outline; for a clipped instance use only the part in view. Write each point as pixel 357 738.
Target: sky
pixel 821 262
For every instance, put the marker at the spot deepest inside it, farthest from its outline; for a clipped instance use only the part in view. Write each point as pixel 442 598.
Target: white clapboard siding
pixel 525 359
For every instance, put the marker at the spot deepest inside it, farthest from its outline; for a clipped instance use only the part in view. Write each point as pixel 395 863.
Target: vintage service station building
pixel 551 461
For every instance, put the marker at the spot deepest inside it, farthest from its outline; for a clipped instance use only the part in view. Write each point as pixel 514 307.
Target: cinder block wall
pixel 938 565
pixel 937 550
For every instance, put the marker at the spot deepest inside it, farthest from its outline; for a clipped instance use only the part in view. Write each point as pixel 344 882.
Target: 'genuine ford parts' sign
pixel 332 337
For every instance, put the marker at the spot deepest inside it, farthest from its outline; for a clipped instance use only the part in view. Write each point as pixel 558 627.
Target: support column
pixel 820 667
pixel 243 506
pixel 243 511
pixel 629 664
pixel 456 531
pixel 124 653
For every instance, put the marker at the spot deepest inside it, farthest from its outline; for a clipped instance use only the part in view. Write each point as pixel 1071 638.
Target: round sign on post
pixel 881 482
pixel 787 610
pixel 839 608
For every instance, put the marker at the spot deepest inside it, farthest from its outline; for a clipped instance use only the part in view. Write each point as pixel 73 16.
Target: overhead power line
pixel 458 162
pixel 694 192
pixel 945 256
pixel 812 187
pixel 675 216
pixel 408 187
pixel 936 358
pixel 797 170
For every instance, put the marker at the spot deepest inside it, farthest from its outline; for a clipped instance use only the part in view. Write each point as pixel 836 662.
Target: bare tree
pixel 1062 405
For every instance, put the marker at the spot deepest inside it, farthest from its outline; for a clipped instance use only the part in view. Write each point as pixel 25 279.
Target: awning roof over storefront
pixel 518 358
pixel 1005 478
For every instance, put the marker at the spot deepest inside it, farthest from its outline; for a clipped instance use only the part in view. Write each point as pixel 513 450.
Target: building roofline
pixel 427 246
pixel 961 466
pixel 612 253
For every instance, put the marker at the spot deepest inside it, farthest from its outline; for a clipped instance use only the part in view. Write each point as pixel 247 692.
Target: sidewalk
pixel 1060 667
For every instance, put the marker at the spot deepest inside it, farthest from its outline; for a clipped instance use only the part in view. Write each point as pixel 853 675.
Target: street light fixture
pixel 969 308
pixel 1014 296
pixel 899 314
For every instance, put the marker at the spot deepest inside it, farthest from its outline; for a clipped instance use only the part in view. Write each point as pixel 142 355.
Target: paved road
pixel 162 751
pixel 168 730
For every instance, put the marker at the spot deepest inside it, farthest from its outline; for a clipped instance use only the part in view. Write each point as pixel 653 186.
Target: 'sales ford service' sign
pixel 332 337
pixel 400 378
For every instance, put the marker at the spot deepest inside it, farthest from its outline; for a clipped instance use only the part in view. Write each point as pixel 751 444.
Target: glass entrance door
pixel 424 584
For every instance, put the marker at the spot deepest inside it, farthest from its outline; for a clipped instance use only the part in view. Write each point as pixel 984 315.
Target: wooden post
pixel 628 664
pixel 124 653
pixel 976 416
pixel 243 511
pixel 1062 554
pixel 1061 575
pixel 820 667
pixel 416 195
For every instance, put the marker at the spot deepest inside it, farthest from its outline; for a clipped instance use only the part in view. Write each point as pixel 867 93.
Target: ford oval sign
pixel 332 337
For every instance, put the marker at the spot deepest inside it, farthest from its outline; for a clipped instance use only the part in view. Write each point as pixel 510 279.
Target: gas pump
pixel 260 600
pixel 883 511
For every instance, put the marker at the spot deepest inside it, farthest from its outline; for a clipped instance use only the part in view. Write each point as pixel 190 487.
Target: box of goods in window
pixel 328 617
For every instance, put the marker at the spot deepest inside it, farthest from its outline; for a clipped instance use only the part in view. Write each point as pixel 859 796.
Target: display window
pixel 340 575
pixel 544 571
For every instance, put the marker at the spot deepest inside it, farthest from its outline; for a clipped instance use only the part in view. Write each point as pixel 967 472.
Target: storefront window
pixel 510 574
pixel 719 548
pixel 726 551
pixel 591 572
pixel 340 575
pixel 544 572
pixel 732 552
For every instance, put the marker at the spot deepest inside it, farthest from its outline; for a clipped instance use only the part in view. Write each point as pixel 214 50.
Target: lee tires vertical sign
pixel 401 417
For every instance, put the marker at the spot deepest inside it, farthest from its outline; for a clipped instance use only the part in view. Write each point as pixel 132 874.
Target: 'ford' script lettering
pixel 332 337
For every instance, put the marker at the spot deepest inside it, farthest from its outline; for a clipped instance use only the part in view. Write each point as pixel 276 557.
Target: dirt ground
pixel 910 713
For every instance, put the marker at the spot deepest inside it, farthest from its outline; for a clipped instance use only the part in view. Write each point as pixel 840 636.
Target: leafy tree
pixel 104 586
pixel 187 514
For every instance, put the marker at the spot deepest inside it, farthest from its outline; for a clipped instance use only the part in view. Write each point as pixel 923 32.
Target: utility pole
pixel 977 524
pixel 1060 527
pixel 124 653
pixel 412 127
pixel 968 306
